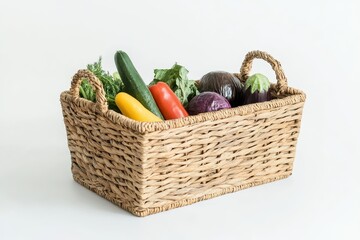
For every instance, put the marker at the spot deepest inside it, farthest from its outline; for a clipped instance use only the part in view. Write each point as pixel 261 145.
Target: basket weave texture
pixel 146 168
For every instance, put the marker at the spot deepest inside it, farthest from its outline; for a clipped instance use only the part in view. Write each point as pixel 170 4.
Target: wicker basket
pixel 147 168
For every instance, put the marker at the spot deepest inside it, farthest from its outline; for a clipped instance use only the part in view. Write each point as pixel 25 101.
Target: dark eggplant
pixel 223 83
pixel 257 89
pixel 207 102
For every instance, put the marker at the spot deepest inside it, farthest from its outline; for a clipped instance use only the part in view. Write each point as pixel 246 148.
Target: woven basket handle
pixel 275 64
pixel 95 82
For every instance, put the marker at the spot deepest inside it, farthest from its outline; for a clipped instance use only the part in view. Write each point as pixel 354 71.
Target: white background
pixel 43 43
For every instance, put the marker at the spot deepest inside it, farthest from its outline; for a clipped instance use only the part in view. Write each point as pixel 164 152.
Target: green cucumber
pixel 133 83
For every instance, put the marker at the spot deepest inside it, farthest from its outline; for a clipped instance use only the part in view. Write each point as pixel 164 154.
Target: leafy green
pixel 112 85
pixel 176 77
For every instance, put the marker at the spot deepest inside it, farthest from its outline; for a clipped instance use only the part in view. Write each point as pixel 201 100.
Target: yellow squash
pixel 133 109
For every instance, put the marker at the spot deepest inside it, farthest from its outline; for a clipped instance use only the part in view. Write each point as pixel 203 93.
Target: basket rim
pixel 295 96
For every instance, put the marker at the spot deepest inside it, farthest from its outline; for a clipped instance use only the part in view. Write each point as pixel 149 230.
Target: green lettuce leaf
pixel 176 77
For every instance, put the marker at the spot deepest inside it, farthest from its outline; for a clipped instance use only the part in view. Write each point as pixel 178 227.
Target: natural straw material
pixel 147 168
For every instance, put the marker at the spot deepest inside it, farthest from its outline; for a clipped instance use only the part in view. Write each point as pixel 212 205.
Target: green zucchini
pixel 133 83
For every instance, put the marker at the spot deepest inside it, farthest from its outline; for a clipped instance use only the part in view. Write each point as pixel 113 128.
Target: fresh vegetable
pixel 112 85
pixel 207 102
pixel 133 109
pixel 223 83
pixel 257 89
pixel 169 104
pixel 133 83
pixel 176 77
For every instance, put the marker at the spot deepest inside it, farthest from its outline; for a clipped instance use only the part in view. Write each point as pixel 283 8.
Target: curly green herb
pixel 112 85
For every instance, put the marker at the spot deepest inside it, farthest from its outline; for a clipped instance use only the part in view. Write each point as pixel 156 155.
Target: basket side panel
pixel 197 162
pixel 106 158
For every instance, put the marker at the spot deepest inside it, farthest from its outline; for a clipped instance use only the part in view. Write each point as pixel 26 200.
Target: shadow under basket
pixel 146 168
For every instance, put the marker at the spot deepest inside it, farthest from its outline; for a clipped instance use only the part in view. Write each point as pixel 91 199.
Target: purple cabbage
pixel 207 102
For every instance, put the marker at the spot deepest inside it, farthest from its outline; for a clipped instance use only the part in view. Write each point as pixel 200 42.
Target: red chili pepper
pixel 167 101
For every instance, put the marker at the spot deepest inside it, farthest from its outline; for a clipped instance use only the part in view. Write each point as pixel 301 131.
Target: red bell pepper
pixel 167 101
